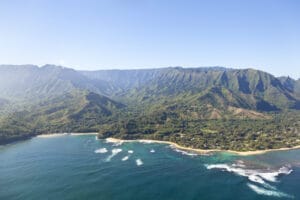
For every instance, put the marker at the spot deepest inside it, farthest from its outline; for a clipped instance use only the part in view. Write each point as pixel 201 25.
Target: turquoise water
pixel 80 167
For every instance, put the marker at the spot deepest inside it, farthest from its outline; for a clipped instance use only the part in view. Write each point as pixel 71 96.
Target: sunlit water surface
pixel 81 167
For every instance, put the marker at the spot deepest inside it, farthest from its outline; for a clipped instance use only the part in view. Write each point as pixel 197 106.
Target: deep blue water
pixel 67 167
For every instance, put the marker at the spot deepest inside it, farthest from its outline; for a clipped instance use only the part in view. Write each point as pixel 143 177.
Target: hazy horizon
pixel 145 68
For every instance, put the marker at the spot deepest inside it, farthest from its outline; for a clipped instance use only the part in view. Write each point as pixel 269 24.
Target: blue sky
pixel 106 34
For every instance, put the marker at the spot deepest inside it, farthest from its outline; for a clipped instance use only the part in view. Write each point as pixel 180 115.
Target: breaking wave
pixel 114 153
pixel 101 150
pixel 184 152
pixel 117 144
pixel 263 191
pixel 139 162
pixel 152 151
pixel 254 175
pixel 258 176
pixel 125 158
pixel 130 151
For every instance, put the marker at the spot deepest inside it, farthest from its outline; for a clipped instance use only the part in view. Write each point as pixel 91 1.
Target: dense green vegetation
pixel 207 108
pixel 79 111
pixel 282 130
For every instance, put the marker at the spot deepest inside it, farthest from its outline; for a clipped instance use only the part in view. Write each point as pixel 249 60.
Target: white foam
pixel 272 176
pixel 256 179
pixel 257 176
pixel 146 141
pixel 139 162
pixel 79 134
pixel 130 151
pixel 125 158
pixel 114 153
pixel 114 141
pixel 52 135
pixel 117 144
pixel 263 191
pixel 184 152
pixel 253 175
pixel 101 150
pixel 152 151
pixel 239 163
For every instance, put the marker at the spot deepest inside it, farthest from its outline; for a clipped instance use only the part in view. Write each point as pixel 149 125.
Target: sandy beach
pixel 76 134
pixel 62 134
pixel 51 135
pixel 202 151
pixel 173 144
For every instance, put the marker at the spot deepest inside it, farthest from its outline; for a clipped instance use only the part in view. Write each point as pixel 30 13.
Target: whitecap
pixel 125 158
pixel 152 151
pixel 263 191
pixel 114 153
pixel 139 162
pixel 130 151
pixel 101 150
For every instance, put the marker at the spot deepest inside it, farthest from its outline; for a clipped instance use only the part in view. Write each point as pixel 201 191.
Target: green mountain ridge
pixel 255 90
pixel 175 104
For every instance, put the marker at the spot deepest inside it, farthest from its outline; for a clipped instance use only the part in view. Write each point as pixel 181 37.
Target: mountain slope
pixel 76 111
pixel 197 107
pixel 31 82
pixel 249 89
pixel 291 84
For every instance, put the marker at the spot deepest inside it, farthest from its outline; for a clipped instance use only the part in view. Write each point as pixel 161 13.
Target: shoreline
pixel 203 151
pixel 175 145
pixel 63 134
pixel 51 135
pixel 77 134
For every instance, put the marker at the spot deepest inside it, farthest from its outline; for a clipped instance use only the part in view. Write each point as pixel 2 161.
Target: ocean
pixel 82 167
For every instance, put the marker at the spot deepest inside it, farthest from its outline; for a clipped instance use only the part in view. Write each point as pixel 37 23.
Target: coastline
pixel 51 135
pixel 203 151
pixel 62 134
pixel 175 145
pixel 77 134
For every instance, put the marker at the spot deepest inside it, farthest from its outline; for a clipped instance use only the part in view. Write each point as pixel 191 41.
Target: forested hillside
pixel 210 107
